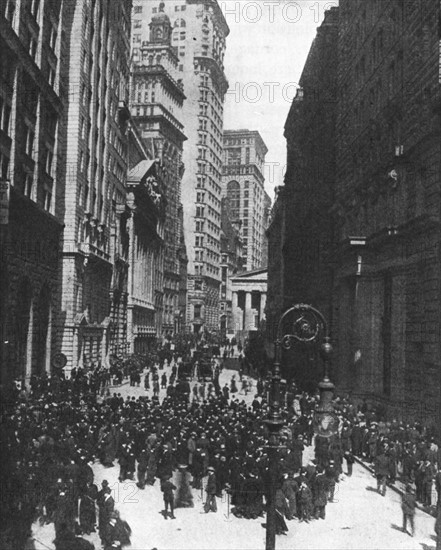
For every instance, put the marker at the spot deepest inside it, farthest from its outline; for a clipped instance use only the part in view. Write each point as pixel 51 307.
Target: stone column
pixel 235 313
pixel 262 305
pixel 49 342
pixel 75 342
pixel 248 325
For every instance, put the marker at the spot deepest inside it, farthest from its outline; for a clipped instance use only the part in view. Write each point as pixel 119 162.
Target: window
pixel 28 185
pixel 4 161
pixel 51 75
pixel 33 47
pixel 10 11
pixel 53 38
pixel 136 38
pixel 30 135
pixel 138 9
pixel 47 199
pixel 5 115
pixel 35 7
pixel 137 24
pixel 49 160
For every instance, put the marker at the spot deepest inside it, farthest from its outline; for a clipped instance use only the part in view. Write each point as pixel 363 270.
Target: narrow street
pixel 359 518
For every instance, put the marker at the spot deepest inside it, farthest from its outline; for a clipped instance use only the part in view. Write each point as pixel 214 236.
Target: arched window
pixel 180 23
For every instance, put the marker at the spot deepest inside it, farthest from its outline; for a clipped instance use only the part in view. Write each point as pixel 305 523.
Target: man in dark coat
pixel 106 506
pixel 408 505
pixel 66 540
pixel 297 449
pixel 290 489
pixel 305 501
pixel 381 469
pixel 167 488
pixel 281 511
pixel 116 533
pixel 331 478
pixel 64 513
pixel 356 438
pixel 143 459
pixel 87 509
pixel 428 475
pixel 210 489
pixel 320 494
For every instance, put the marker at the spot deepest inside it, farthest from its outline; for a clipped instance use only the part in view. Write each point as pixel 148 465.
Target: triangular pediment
pixel 260 275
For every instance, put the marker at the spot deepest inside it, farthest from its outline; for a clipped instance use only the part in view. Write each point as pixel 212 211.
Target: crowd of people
pixel 52 436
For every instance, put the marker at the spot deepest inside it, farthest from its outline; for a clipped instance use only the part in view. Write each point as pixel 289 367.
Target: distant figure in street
pixel 290 489
pixel 349 457
pixel 408 504
pixel 167 488
pixel 282 511
pixel 210 503
pixel 116 533
pixel 381 468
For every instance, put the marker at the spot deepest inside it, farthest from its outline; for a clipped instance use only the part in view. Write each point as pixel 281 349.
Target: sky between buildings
pixel 266 50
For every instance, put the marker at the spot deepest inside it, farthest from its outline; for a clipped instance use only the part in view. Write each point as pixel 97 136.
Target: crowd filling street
pixel 187 434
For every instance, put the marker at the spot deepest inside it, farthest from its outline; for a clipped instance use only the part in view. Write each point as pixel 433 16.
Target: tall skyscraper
pixel 243 186
pixel 199 32
pixel 33 96
pixel 96 241
pixel 157 99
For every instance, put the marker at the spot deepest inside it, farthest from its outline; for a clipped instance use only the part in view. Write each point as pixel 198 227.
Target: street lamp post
pixel 308 326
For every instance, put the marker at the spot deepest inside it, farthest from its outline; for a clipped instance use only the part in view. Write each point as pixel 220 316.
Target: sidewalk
pixel 399 487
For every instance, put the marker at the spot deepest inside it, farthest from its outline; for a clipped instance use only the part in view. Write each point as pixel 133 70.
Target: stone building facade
pixel 157 98
pixel 373 244
pixel 387 287
pixel 276 235
pixel 95 248
pixel 33 95
pixel 146 208
pixel 199 32
pixel 309 189
pixel 243 186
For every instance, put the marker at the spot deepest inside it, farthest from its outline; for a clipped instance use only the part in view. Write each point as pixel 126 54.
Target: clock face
pixel 325 423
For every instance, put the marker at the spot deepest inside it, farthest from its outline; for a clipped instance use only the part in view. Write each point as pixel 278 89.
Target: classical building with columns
pixel 146 206
pixel 249 301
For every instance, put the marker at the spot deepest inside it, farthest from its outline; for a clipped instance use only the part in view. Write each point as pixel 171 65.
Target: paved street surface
pixel 359 519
